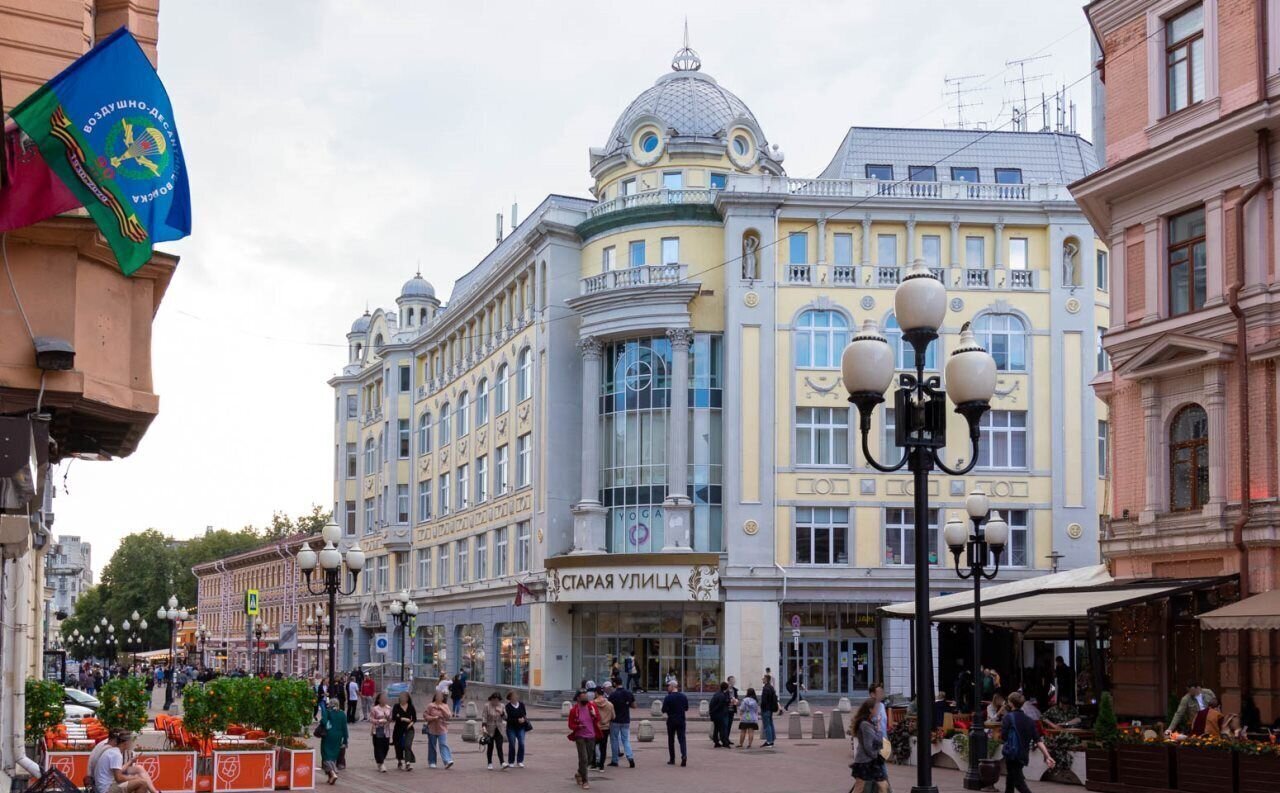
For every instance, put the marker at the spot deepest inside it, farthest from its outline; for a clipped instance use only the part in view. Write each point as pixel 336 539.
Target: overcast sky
pixel 334 147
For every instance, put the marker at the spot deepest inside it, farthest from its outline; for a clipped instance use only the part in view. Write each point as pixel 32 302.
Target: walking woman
pixel 584 731
pixel 403 716
pixel 380 728
pixel 334 720
pixel 517 725
pixel 495 723
pixel 437 716
pixel 457 690
pixel 748 718
pixel 868 765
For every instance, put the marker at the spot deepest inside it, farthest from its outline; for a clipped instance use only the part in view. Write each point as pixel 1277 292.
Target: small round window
pixel 741 146
pixel 648 142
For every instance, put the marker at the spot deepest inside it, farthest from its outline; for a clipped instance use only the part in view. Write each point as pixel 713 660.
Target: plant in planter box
pixel 1258 766
pixel 1106 733
pixel 1099 753
pixel 44 708
pixel 961 741
pixel 1061 747
pixel 124 704
pixel 1205 764
pixel 900 740
pixel 286 708
pixel 202 711
pixel 232 701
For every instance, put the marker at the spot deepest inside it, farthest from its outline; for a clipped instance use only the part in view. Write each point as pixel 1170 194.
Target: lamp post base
pixel 977 752
pixel 925 789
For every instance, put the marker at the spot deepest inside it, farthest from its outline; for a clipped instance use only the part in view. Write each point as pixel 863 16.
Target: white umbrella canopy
pixel 1259 612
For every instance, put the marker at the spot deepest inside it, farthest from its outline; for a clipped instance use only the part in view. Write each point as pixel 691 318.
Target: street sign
pixel 288 636
pixel 251 602
pixel 795 621
pixel 381 643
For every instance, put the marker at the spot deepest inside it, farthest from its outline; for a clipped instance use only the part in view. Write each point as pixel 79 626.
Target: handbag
pixel 321 729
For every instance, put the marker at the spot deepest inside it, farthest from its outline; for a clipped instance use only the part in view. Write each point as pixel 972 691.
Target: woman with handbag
pixel 495 721
pixel 748 718
pixel 332 732
pixel 869 772
pixel 380 728
pixel 517 725
pixel 403 716
pixel 438 715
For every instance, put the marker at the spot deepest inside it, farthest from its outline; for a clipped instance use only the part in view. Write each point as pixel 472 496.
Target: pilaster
pixel 677 506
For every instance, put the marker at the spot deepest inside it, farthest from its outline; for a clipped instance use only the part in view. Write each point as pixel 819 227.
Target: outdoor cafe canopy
pixel 1259 612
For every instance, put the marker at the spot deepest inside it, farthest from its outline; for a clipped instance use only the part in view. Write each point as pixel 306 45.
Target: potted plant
pixel 1205 764
pixel 250 766
pixel 1258 767
pixel 1062 747
pixel 286 707
pixel 44 713
pixel 1143 762
pixel 900 736
pixel 1100 753
pixel 124 704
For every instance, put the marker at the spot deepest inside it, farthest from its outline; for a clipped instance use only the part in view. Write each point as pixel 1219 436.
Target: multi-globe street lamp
pixel 985 544
pixel 174 615
pixel 867 369
pixel 317 624
pixel 202 636
pixel 331 562
pixel 405 611
pixel 260 629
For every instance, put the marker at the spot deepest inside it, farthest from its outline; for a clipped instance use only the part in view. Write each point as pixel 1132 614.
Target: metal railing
pixel 866 188
pixel 657 197
pixel 626 278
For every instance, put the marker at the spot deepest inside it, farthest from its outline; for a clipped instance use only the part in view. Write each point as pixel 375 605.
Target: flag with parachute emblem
pixel 105 126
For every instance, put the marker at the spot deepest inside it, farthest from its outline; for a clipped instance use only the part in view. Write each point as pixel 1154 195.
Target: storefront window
pixel 432 652
pixel 513 653
pixel 471 652
pixel 681 639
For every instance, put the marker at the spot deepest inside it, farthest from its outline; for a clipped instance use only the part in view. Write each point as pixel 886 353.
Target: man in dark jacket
pixel 1020 735
pixel 768 707
pixel 674 707
pixel 620 728
pixel 718 707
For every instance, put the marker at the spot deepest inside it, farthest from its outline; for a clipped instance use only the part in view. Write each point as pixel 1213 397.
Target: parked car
pixel 76 712
pixel 74 696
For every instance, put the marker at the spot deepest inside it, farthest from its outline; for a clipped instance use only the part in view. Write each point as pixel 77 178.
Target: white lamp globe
pixel 920 301
pixel 331 533
pixel 111 629
pixel 126 624
pixel 330 558
pixel 996 532
pixel 977 504
pixel 396 608
pixel 970 375
pixel 183 614
pixel 135 616
pixel 355 559
pixel 411 609
pixel 142 626
pixel 173 601
pixel 866 365
pixel 103 621
pixel 96 629
pixel 306 559
pixel 954 533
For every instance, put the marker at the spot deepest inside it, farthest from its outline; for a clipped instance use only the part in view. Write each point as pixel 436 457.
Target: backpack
pixel 1015 748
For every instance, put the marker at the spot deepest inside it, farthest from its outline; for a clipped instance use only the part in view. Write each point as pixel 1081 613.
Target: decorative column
pixel 955 241
pixel 911 239
pixel 1155 460
pixel 589 513
pixel 678 507
pixel 1215 408
pixel 866 240
pixel 999 252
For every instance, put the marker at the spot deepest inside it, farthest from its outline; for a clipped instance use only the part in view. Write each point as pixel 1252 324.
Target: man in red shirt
pixel 367 692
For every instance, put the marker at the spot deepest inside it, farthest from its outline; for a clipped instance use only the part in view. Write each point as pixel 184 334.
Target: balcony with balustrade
pixel 650 206
pixel 889 276
pixel 907 190
pixel 633 277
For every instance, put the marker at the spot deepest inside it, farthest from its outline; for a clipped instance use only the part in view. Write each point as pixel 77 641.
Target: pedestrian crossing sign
pixel 251 602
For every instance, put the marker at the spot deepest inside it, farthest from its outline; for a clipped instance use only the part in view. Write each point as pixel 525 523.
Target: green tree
pixel 142 574
pixel 88 610
pixel 282 525
pixel 1105 731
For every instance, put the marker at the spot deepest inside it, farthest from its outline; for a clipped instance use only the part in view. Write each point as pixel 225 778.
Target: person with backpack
pixel 633 672
pixel 1020 735
pixel 768 707
pixel 795 687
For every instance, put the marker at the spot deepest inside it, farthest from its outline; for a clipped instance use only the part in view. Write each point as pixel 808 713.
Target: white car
pixel 75 696
pixel 76 712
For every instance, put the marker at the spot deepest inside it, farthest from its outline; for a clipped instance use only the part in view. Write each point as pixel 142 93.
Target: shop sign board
pixel 592 584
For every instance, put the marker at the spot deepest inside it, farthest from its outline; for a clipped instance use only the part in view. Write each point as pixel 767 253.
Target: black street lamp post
pixel 989 538
pixel 260 629
pixel 202 636
pixel 318 624
pixel 867 369
pixel 405 611
pixel 331 562
pixel 174 615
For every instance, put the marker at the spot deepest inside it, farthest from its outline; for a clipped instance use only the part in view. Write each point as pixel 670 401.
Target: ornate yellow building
pixel 630 411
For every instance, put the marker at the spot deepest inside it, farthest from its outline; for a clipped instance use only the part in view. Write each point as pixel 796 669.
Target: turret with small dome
pixel 417 303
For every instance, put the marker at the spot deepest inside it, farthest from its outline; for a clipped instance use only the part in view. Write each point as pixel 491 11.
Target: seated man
pixel 111 774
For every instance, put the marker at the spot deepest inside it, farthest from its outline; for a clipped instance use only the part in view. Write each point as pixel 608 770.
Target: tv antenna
pixel 1020 111
pixel 956 91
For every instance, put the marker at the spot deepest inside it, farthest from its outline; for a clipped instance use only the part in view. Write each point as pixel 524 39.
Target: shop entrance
pixel 831 666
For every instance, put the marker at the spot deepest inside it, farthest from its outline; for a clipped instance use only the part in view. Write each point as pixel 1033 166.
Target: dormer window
pixel 648 143
pixel 922 173
pixel 882 172
pixel 741 146
pixel 964 174
pixel 1008 176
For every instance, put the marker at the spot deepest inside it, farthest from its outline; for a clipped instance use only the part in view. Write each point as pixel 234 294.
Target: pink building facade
pixel 1188 123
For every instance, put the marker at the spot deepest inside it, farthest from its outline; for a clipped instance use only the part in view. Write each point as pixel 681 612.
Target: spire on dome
pixel 685 59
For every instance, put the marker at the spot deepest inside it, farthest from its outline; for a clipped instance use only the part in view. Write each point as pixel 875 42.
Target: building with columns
pixel 625 436
pixel 1186 200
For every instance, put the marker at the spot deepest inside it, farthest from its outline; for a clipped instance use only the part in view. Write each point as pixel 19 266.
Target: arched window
pixel 444 424
pixel 903 352
pixel 368 456
pixel 1005 337
pixel 524 375
pixel 424 433
pixel 460 415
pixel 501 391
pixel 482 402
pixel 821 337
pixel 1189 459
pixel 377 341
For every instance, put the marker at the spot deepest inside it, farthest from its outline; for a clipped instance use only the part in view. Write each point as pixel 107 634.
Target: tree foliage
pixel 124 704
pixel 1105 730
pixel 44 707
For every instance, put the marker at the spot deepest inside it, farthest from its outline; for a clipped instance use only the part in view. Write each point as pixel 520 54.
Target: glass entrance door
pixel 810 661
pixel 855 665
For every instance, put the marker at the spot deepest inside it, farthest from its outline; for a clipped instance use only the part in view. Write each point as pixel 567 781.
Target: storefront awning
pixel 1053 605
pixel 1259 612
pixel 1070 579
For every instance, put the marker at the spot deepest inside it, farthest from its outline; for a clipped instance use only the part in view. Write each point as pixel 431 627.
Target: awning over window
pixel 1259 612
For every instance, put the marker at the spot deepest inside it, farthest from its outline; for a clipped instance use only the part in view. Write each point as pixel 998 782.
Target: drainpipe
pixel 782 570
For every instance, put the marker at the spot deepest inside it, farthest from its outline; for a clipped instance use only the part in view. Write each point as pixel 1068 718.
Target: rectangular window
pixel 964 175
pixel 1018 253
pixel 482 557
pixel 922 173
pixel 369 519
pixel 673 180
pixel 500 480
pixel 1186 262
pixel 882 172
pixel 931 250
pixel 524 470
pixel 402 571
pixel 636 252
pixel 444 494
pixel 1008 176
pixel 1104 448
pixel 844 250
pixel 424 501
pixel 524 547
pixel 1016 549
pixel 798 247
pixel 900 536
pixel 1103 275
pixel 461 554
pixel 822 535
pixel 424 568
pixel 402 430
pixel 670 250
pixel 442 565
pixel 890 452
pixel 822 436
pixel 464 481
pixel 1004 439
pixel 368 580
pixel 1104 360
pixel 719 181
pixel 975 253
pixel 353 406
pixel 1184 58
pixel 402 504
pixel 384 574
pixel 352 459
pixel 482 479
pixel 406 379
pixel 887 250
pixel 609 258
pixel 628 187
pixel 500 552
pixel 350 523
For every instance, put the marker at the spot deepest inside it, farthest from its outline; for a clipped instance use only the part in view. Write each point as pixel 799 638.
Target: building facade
pixel 626 434
pixel 1187 203
pixel 68 572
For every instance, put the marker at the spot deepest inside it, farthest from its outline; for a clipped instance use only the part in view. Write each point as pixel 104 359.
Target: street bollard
pixel 819 725
pixel 844 706
pixel 704 708
pixel 805 710
pixel 836 728
pixel 645 733
pixel 655 708
pixel 470 731
pixel 795 728
pixel 565 707
pixel 472 712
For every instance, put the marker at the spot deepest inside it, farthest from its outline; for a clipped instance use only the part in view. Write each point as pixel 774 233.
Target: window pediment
pixel 1175 352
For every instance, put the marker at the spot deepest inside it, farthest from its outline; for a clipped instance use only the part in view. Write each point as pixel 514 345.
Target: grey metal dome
pixel 687 101
pixel 417 286
pixel 361 324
